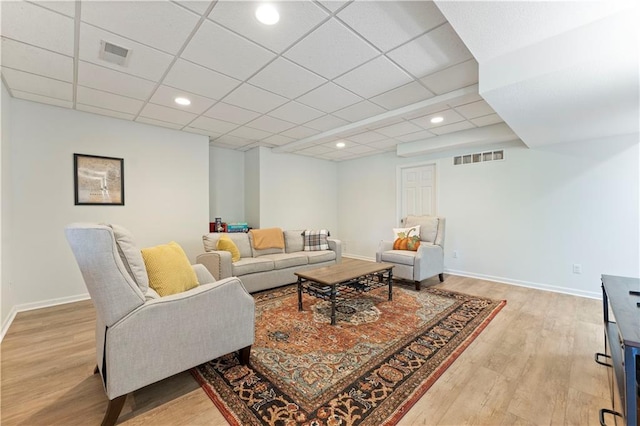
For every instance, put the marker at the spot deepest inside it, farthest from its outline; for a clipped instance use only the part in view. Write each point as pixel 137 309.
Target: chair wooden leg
pixel 441 276
pixel 96 370
pixel 113 410
pixel 418 285
pixel 245 354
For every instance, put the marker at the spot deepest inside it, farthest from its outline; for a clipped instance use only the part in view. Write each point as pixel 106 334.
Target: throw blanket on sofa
pixel 267 238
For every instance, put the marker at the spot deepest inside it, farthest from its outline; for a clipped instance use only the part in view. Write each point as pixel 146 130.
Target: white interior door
pixel 418 190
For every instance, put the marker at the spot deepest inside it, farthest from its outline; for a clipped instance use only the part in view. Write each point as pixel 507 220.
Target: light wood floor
pixel 533 365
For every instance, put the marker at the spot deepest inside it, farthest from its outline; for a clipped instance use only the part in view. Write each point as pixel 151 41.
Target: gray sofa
pixel 265 269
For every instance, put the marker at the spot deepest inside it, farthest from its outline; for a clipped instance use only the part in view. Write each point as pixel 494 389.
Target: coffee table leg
pixel 390 277
pixel 299 294
pixel 333 305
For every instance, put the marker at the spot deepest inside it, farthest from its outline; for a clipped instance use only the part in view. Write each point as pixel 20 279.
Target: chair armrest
pixel 336 245
pixel 429 261
pixel 174 333
pixel 203 274
pixel 218 263
pixel 382 247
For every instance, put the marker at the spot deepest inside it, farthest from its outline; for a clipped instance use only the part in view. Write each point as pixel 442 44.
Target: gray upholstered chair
pixel 142 338
pixel 424 263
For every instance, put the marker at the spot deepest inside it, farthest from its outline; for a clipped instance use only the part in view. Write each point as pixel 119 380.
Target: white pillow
pixel 408 232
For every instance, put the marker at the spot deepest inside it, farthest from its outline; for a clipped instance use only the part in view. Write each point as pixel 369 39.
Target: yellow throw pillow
pixel 225 243
pixel 169 269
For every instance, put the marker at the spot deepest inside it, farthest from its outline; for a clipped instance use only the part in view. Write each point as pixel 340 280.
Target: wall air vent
pixel 478 157
pixel 115 54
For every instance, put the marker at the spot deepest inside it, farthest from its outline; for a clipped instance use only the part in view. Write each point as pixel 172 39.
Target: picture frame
pixel 98 181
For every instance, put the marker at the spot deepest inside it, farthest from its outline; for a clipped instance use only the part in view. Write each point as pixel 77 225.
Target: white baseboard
pixel 38 305
pixel 355 256
pixel 528 284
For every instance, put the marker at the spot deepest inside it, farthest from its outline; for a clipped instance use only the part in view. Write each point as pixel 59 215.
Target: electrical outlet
pixel 455 254
pixel 577 268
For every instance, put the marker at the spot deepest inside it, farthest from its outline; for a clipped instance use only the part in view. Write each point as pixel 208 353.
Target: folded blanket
pixel 267 238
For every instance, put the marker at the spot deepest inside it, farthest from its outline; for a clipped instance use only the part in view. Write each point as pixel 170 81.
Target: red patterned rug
pixel 368 369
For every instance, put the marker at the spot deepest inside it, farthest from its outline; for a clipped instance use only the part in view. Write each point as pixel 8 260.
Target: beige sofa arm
pixel 217 262
pixel 336 245
pixel 382 247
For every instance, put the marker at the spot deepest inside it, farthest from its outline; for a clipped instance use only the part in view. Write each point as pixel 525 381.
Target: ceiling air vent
pixel 115 54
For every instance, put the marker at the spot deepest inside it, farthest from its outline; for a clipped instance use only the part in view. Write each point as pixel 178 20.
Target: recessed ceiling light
pixel 340 145
pixel 438 119
pixel 182 101
pixel 267 14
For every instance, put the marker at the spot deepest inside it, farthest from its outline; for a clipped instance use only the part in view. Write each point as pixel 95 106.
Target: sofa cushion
pixel 131 257
pixel 286 260
pixel 169 269
pixel 315 239
pixel 293 241
pixel 402 257
pixel 428 226
pixel 226 244
pixel 320 256
pixel 240 239
pixel 251 265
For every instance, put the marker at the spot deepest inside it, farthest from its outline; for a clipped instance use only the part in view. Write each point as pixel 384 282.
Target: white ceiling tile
pixel 374 77
pixel 270 124
pixel 296 19
pixel 398 129
pixel 144 62
pixel 65 7
pixel 300 132
pixel 35 60
pixel 466 99
pixel 329 98
pixel 231 113
pixel 147 120
pixel 31 83
pixel 431 52
pixel 487 120
pixel 286 78
pixel 331 50
pixel 359 111
pixel 103 111
pixel 254 98
pixel 366 137
pixel 315 150
pixel 475 109
pixel 165 95
pixel 388 24
pixel 327 122
pixel 452 78
pixel 198 6
pixel 160 24
pixel 384 144
pixel 361 149
pixel 278 140
pixel 162 113
pixel 42 99
pixel 213 125
pixel 106 100
pixel 202 132
pixel 40 27
pixel 250 134
pixel 221 50
pixel 232 141
pixel 455 127
pixel 402 96
pixel 422 134
pixel 109 80
pixel 296 113
pixel 449 115
pixel 194 78
pixel 333 5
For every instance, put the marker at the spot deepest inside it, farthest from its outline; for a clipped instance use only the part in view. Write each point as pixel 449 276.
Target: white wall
pixel 298 192
pixel 226 185
pixel 166 175
pixel 252 187
pixel 525 220
pixel 7 301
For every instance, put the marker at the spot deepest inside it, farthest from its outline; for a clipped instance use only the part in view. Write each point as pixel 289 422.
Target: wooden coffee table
pixel 344 281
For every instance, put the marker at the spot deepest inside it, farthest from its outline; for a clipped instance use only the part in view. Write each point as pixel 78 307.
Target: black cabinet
pixel 621 312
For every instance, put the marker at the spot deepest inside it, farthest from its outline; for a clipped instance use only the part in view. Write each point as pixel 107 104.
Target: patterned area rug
pixel 368 369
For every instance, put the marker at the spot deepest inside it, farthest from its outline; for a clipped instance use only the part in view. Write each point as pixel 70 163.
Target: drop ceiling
pixel 369 73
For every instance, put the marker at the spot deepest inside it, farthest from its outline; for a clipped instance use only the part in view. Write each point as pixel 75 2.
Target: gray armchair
pixel 142 338
pixel 424 263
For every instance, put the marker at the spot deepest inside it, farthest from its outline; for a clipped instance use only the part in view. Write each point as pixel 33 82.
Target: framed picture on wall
pixel 98 180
